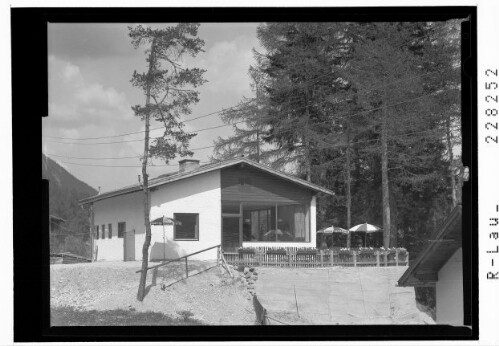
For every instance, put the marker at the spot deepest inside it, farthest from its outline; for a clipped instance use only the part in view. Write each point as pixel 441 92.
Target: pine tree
pixel 169 89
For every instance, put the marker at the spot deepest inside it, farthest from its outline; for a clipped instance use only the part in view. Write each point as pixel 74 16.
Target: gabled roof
pixel 169 178
pixel 442 245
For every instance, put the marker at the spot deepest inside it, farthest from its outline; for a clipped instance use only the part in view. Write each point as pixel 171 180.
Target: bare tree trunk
pixel 348 192
pixel 384 176
pixel 451 159
pixel 145 186
pixel 306 140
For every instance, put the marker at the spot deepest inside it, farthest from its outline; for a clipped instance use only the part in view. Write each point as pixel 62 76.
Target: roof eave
pixel 225 164
pixel 427 251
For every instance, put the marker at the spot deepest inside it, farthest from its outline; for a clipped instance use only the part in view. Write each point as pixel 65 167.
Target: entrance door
pixel 129 245
pixel 230 233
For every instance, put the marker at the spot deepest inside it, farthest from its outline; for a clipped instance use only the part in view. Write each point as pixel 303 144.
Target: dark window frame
pixel 110 230
pixel 123 230
pixel 97 232
pixel 196 231
pixel 103 231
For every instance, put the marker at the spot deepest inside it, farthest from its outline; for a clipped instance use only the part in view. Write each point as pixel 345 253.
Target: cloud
pixel 227 64
pixel 73 102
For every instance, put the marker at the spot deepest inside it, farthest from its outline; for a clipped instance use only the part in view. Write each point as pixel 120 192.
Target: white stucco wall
pixel 449 291
pixel 200 194
pixel 125 208
pixel 313 234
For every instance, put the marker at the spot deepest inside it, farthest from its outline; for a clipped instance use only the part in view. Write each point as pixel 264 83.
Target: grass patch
pixel 68 316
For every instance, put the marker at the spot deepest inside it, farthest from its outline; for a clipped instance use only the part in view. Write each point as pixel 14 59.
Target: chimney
pixel 187 165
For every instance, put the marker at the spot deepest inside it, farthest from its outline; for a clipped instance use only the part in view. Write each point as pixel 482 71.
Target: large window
pixel 186 226
pixel 110 230
pixel 276 223
pixel 103 231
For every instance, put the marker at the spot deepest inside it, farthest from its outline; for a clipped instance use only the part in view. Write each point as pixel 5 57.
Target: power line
pixel 226 109
pixel 117 166
pixel 243 121
pixel 95 158
pixel 331 146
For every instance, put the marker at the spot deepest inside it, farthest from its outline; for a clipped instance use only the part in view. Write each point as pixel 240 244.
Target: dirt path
pixel 338 295
pixel 211 297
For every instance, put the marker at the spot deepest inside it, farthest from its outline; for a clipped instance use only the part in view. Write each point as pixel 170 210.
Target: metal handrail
pixel 178 259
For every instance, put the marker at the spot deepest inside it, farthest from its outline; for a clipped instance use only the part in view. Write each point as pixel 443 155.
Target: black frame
pixel 31 311
pixel 196 228
pixel 110 231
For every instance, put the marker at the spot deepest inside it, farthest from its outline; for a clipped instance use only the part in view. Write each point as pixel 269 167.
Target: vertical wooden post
pixel 289 258
pixel 331 257
pixel 186 268
pixel 377 259
pixel 354 259
pixel 385 255
pixel 322 258
pixel 397 257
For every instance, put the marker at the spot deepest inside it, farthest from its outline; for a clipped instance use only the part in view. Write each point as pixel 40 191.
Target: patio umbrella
pixel 331 230
pixel 162 221
pixel 365 227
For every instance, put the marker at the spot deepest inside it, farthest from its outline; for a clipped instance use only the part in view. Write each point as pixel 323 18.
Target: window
pixel 103 231
pixel 110 230
pixel 277 223
pixel 186 226
pixel 97 232
pixel 121 229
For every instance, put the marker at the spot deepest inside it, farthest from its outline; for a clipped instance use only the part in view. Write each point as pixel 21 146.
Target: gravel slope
pixel 212 297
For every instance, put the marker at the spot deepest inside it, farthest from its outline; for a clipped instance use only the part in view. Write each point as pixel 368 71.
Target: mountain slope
pixel 64 192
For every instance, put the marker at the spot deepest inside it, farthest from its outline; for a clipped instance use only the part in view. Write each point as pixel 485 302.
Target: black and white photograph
pixel 267 173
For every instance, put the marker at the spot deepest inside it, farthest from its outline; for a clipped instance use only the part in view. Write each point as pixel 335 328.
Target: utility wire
pixel 235 107
pixel 331 146
pixel 243 121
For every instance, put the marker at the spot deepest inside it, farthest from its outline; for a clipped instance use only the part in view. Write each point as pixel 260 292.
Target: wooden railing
pixel 184 258
pixel 315 259
pixel 68 258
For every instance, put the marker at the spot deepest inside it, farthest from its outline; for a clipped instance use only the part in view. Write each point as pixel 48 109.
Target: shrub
pixel 306 251
pixel 280 251
pixel 247 250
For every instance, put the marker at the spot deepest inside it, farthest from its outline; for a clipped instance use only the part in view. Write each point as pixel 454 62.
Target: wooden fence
pixel 293 258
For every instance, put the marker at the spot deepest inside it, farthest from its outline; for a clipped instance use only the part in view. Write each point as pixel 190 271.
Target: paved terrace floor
pixel 338 295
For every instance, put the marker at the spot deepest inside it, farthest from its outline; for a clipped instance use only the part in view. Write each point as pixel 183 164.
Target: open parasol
pixel 365 227
pixel 332 229
pixel 162 221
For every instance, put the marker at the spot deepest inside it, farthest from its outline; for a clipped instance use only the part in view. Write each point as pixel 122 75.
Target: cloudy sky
pixel 90 95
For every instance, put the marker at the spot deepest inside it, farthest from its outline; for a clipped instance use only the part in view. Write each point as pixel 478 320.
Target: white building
pixel 234 203
pixel 440 264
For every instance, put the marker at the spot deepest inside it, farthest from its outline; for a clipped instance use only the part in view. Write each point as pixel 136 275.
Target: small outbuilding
pixel 233 203
pixel 440 264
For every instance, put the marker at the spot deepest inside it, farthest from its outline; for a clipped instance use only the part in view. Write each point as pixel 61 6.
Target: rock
pixel 248 275
pixel 246 270
pixel 252 269
pixel 255 273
